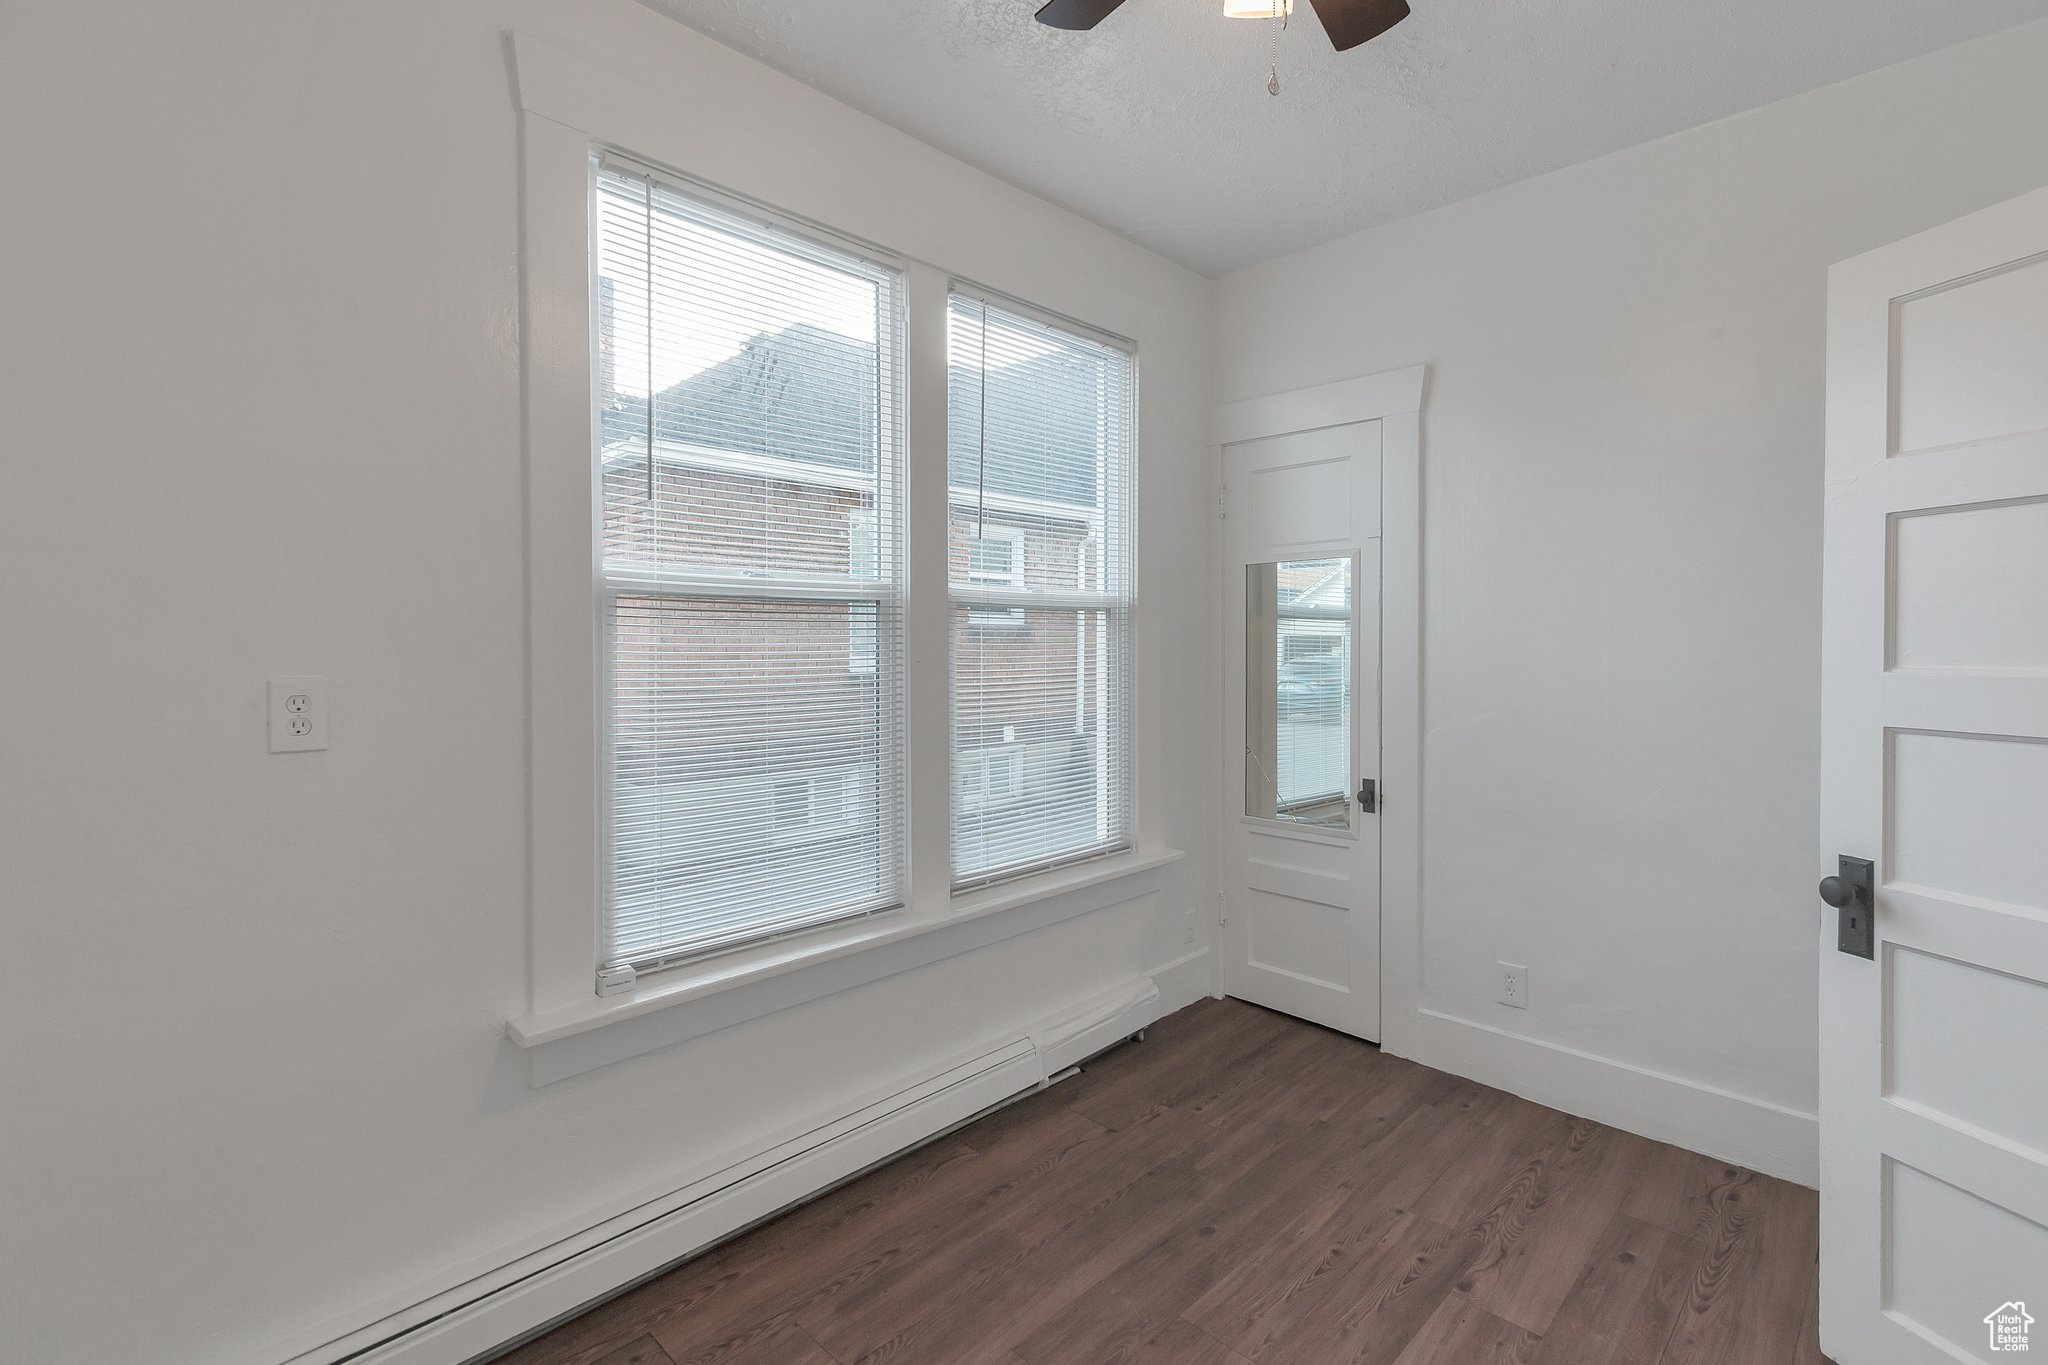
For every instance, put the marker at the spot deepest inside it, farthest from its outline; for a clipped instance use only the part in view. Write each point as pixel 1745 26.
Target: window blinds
pixel 1040 464
pixel 748 384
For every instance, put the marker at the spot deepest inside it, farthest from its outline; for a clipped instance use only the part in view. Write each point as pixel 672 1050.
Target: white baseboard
pixel 1741 1129
pixel 525 1288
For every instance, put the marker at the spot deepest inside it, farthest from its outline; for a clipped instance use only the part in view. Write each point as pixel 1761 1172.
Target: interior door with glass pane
pixel 1301 912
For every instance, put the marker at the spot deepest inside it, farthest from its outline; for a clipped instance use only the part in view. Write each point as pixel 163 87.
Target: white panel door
pixel 1934 1049
pixel 1301 883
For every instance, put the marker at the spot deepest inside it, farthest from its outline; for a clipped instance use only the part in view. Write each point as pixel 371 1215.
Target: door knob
pixel 1852 892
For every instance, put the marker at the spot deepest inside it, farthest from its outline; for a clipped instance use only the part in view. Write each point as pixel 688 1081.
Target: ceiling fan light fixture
pixel 1348 23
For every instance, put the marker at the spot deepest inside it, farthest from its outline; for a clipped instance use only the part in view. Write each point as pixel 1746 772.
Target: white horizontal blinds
pixel 1040 463
pixel 748 382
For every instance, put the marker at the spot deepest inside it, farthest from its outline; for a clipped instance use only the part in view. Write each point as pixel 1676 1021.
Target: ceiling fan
pixel 1348 22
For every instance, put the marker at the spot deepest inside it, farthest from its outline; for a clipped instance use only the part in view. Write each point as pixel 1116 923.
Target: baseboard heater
pixel 480 1315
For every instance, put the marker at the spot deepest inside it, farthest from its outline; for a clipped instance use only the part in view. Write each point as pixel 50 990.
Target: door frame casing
pixel 1394 399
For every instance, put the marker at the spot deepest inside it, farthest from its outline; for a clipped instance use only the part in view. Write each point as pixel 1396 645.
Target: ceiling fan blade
pixel 1076 13
pixel 1351 22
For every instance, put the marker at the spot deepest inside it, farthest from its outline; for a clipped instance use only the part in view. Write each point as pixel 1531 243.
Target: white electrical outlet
pixel 1514 985
pixel 298 714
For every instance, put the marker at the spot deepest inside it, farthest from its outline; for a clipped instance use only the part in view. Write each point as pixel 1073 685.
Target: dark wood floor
pixel 1242 1187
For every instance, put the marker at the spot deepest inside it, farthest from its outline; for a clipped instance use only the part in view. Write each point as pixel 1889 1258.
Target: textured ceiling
pixel 1157 124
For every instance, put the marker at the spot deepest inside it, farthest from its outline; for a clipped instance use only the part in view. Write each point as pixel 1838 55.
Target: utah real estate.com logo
pixel 2008 1324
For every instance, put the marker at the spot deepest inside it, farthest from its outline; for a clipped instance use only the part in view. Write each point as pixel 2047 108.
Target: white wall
pixel 1622 441
pixel 259 413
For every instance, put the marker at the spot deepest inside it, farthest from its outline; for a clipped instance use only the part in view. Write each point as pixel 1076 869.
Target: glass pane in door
pixel 1298 664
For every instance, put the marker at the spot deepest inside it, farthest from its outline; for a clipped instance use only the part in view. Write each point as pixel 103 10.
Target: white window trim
pixel 568 107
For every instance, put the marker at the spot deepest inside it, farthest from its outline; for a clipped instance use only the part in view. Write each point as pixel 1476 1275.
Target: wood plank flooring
pixel 1242 1188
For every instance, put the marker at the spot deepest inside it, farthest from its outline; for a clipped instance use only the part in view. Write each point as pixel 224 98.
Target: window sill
pixel 689 1001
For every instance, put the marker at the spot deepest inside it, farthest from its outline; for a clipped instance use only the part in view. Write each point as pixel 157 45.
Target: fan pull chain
pixel 1273 65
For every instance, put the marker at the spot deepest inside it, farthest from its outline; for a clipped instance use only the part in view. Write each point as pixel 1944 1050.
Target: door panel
pixel 1934 1116
pixel 1948 1247
pixel 1943 1009
pixel 1301 877
pixel 1967 354
pixel 1993 845
pixel 1971 587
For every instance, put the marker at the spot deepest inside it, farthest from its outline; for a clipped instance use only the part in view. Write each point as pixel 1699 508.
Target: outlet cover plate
pixel 298 714
pixel 1514 985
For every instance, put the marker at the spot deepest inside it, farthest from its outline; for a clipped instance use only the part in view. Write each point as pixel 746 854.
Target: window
pixel 860 626
pixel 1301 649
pixel 1040 442
pixel 813 805
pixel 1311 739
pixel 991 776
pixel 995 557
pixel 748 386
